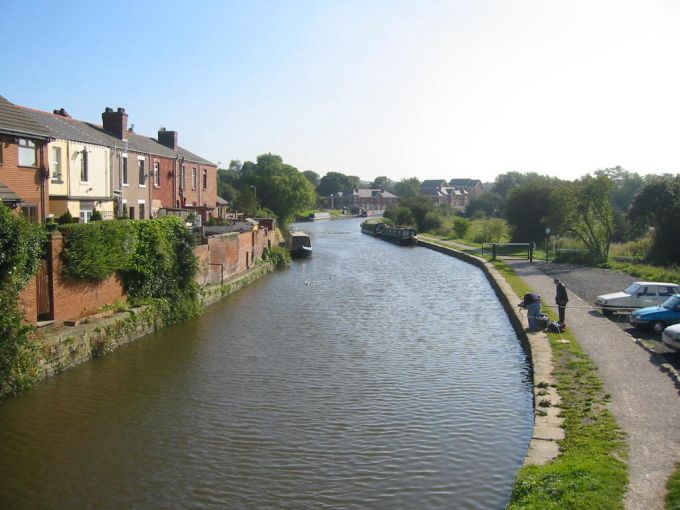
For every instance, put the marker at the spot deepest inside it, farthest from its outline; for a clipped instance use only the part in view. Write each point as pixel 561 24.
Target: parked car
pixel 636 295
pixel 656 318
pixel 671 337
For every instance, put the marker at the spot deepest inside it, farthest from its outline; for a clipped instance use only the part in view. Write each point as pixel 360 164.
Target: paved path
pixel 644 399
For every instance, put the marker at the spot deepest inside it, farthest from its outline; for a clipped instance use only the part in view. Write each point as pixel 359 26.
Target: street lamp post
pixel 340 195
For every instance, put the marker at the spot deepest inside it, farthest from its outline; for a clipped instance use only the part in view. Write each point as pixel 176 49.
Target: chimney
pixel 62 112
pixel 115 122
pixel 167 138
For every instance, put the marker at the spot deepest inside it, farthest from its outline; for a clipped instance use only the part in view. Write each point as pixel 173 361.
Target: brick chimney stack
pixel 115 122
pixel 167 138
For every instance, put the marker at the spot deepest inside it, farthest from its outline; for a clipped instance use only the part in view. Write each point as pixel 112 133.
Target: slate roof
pixel 433 183
pixel 373 192
pixel 14 121
pixel 7 195
pixel 67 128
pixel 466 183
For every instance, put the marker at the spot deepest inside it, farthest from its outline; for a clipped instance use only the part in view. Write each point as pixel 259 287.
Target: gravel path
pixel 644 400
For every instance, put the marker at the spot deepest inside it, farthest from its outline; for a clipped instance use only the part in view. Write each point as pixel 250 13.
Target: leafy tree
pixel 582 209
pixel 461 227
pixel 487 203
pixel 382 182
pixel 247 202
pixel 403 216
pixel 408 187
pixel 235 166
pixel 96 215
pixel 333 182
pixel 658 206
pixel 526 210
pixel 422 210
pixel 492 231
pixel 228 182
pixel 312 177
pixel 277 186
pixel 65 218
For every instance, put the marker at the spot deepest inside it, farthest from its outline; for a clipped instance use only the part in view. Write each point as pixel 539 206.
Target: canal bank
pixel 65 347
pixel 547 430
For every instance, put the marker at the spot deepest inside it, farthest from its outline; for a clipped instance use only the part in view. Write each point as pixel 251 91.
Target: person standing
pixel 532 302
pixel 561 299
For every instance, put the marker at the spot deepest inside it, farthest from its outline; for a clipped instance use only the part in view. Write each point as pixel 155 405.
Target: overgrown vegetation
pixel 21 245
pixel 155 259
pixel 278 256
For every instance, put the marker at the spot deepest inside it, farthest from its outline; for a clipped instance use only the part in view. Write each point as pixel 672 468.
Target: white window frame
pixel 84 165
pixel 124 170
pixel 27 147
pixel 140 203
pixel 141 170
pixel 194 177
pixel 156 174
pixel 55 163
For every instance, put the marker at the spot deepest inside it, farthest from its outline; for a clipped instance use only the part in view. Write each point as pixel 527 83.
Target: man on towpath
pixel 561 299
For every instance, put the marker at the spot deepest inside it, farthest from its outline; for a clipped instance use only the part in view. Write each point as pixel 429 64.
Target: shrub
pixel 278 256
pixel 461 227
pixel 65 218
pixel 21 245
pixel 96 216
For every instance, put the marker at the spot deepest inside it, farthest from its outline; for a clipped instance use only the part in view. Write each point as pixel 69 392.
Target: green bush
pixel 94 251
pixel 461 227
pixel 96 216
pixel 21 245
pixel 65 218
pixel 277 255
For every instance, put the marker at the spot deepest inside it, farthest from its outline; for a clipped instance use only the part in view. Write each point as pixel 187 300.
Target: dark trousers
pixel 560 310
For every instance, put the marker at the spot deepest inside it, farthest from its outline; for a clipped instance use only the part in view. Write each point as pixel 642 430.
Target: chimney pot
pixel 108 109
pixel 115 122
pixel 121 109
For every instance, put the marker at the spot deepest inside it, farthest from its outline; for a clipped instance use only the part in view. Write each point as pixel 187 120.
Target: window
pixel 125 175
pixel 142 177
pixel 85 216
pixel 205 179
pixel 181 177
pixel 142 210
pixel 132 213
pixel 84 165
pixel 194 178
pixel 156 174
pixel 26 153
pixel 56 163
pixel 30 212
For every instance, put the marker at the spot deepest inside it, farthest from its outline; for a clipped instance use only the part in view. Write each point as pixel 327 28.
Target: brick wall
pixel 76 298
pixel 165 193
pixel 28 302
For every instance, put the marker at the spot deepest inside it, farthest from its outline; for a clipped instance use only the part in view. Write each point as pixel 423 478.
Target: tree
pixel 487 203
pixel 408 187
pixel 235 166
pixel 658 206
pixel 582 209
pixel 333 182
pixel 383 182
pixel 312 177
pixel 526 209
pixel 461 227
pixel 277 186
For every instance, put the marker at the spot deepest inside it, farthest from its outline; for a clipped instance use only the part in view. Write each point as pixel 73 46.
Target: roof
pixel 13 120
pixel 7 195
pixel 67 128
pixel 466 183
pixel 220 201
pixel 372 192
pixel 433 183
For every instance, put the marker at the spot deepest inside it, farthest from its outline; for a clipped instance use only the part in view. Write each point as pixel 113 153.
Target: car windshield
pixel 631 289
pixel 671 302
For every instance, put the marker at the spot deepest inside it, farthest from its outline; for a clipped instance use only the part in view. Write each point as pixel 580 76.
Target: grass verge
pixel 590 471
pixel 673 495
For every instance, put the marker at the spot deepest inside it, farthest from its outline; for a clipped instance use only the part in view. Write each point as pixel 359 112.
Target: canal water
pixel 369 376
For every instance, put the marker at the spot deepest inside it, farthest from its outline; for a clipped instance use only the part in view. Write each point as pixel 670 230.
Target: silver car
pixel 636 295
pixel 671 337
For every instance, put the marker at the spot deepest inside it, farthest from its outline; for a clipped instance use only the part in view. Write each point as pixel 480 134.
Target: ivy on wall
pixel 21 245
pixel 155 258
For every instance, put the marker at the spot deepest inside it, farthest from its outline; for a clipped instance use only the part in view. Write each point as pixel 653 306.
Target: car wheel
pixel 657 327
pixel 607 313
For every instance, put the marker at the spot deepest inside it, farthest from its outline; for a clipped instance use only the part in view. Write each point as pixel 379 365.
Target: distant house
pixel 365 199
pixel 441 193
pixel 23 157
pixel 472 186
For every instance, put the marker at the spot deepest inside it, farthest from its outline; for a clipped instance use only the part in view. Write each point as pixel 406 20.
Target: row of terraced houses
pixel 51 163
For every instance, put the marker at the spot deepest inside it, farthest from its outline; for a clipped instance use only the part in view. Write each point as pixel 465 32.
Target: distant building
pixel 364 199
pixel 441 193
pixel 473 186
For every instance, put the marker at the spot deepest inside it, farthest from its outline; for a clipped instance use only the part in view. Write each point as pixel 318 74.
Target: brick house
pixel 442 193
pixel 23 167
pixel 366 199
pixel 472 186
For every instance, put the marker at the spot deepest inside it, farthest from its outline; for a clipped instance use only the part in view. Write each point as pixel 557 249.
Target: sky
pixel 422 88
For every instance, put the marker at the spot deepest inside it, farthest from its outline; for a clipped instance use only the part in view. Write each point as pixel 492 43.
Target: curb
pixel 548 431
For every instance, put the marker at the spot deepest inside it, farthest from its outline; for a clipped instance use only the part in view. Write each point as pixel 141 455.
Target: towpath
pixel 645 401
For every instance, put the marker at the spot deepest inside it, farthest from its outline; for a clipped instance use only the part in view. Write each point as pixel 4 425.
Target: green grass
pixel 648 272
pixel 590 471
pixel 673 485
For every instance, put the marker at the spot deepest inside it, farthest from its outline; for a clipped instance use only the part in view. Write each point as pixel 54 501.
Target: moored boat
pixel 372 227
pixel 300 245
pixel 404 236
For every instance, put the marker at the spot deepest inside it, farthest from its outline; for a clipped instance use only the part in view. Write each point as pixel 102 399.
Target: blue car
pixel 656 318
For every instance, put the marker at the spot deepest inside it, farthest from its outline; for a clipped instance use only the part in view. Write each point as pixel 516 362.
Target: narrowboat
pixel 300 245
pixel 404 236
pixel 372 227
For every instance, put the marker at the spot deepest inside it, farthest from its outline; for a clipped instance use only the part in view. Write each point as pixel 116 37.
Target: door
pixel 43 292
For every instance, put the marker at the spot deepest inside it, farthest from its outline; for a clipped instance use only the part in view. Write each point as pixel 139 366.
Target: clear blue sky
pixel 425 88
